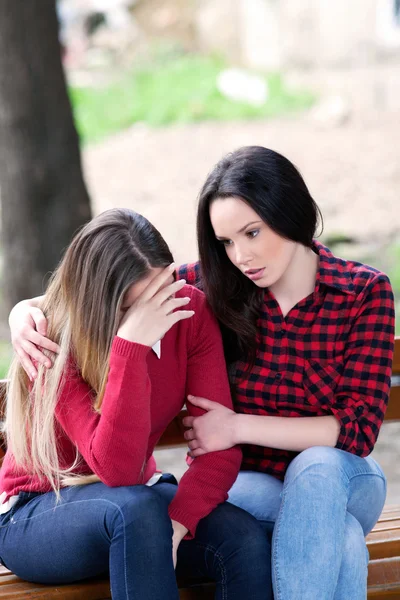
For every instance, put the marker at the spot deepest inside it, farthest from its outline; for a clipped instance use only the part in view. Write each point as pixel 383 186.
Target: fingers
pixel 188 421
pixel 189 435
pixel 39 319
pixel 39 340
pixel 170 305
pixel 196 453
pixel 33 352
pixel 27 364
pixel 157 283
pixel 169 290
pixel 179 315
pixel 193 445
pixel 203 403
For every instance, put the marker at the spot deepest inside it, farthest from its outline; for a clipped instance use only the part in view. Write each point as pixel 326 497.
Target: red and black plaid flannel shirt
pixel 331 355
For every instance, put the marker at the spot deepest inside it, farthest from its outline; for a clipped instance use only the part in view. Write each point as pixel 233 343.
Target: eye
pixel 253 233
pixel 225 242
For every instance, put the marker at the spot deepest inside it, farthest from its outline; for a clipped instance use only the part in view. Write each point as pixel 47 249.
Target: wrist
pixel 179 530
pixel 239 427
pixel 127 335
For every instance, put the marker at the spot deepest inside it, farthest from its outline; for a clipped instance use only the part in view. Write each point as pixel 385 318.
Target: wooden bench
pixel 383 542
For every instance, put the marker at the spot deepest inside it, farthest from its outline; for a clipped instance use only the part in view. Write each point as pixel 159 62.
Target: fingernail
pixel 190 397
pixel 172 266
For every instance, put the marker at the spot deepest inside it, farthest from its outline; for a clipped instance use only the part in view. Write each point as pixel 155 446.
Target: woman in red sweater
pixel 79 481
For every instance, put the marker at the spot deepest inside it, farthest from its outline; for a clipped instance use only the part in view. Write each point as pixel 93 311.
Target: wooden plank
pixel 393 409
pixel 387 525
pixel 14 588
pixel 383 544
pixel 384 579
pixel 396 357
pixel 390 512
pixel 85 590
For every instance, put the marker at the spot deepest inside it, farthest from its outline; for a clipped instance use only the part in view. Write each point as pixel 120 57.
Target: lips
pixel 252 271
pixel 255 274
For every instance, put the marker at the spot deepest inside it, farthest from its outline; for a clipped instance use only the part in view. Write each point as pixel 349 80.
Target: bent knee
pixel 139 505
pixel 322 460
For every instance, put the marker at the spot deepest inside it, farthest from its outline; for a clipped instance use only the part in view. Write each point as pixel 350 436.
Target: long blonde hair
pixel 82 302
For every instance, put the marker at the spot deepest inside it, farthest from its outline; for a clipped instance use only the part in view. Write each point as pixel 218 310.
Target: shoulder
pixel 363 275
pixel 367 280
pixel 197 297
pixel 350 276
pixel 191 272
pixel 203 321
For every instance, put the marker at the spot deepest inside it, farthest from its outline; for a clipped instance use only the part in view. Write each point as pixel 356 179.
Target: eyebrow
pixel 242 228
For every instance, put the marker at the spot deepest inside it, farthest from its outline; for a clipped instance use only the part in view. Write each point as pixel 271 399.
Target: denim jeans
pixel 320 514
pixel 127 533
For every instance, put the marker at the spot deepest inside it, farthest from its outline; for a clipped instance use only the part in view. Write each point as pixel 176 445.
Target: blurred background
pixel 130 103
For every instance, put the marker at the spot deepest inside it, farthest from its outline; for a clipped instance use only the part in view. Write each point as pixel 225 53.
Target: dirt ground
pixel 353 171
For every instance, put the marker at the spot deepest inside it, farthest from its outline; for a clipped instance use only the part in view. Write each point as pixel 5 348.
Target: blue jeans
pixel 329 501
pixel 127 533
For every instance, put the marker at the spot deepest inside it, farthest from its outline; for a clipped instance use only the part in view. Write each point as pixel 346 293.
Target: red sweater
pixel 142 397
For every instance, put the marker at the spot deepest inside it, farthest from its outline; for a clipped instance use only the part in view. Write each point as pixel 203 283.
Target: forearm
pixel 113 443
pixel 287 433
pixel 204 486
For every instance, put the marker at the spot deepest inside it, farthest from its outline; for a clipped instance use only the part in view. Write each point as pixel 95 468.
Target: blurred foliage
pixel 5 358
pixel 385 258
pixel 392 268
pixel 172 88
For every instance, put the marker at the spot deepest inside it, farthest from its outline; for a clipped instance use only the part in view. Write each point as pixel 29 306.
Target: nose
pixel 242 255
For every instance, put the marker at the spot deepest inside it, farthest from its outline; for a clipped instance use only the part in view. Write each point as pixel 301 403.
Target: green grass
pixel 5 358
pixel 392 268
pixel 179 88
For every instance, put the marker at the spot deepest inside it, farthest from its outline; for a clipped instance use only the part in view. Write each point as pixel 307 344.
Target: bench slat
pixel 393 409
pixel 383 544
pixel 384 579
pixel 396 356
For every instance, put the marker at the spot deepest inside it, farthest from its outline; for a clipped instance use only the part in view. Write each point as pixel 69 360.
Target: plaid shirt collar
pixel 333 271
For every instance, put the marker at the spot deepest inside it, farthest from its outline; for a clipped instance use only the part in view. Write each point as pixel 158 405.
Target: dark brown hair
pixel 272 186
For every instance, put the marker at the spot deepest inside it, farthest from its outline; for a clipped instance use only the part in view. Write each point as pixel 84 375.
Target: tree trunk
pixel 43 195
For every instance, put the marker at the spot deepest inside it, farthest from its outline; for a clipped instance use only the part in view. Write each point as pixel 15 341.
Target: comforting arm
pixel 354 412
pixel 28 327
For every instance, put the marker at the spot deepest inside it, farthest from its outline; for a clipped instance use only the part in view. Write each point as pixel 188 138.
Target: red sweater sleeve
pixel 207 481
pixel 113 443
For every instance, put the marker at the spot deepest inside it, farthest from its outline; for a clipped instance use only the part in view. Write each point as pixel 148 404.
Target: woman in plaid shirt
pixel 309 345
